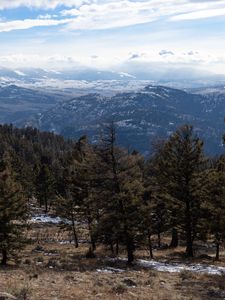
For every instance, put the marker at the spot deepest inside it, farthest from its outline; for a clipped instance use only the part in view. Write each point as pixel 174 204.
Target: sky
pixel 113 35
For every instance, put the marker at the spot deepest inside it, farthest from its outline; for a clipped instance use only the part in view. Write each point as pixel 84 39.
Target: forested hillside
pixel 140 113
pixel 123 198
pixel 140 116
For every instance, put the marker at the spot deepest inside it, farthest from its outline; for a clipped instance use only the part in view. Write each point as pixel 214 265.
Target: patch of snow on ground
pixel 19 73
pixel 110 270
pixel 177 268
pixel 68 242
pixel 48 219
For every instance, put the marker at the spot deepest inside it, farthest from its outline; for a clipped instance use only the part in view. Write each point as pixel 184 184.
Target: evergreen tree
pixel 216 203
pixel 120 219
pixel 12 212
pixel 45 189
pixel 179 165
pixel 77 197
pixel 157 208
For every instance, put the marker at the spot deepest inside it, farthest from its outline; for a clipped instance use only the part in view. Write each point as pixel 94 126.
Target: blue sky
pixel 110 34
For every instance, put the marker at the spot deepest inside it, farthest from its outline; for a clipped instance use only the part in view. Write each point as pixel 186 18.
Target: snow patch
pixel 124 74
pixel 110 270
pixel 19 73
pixel 48 219
pixel 177 268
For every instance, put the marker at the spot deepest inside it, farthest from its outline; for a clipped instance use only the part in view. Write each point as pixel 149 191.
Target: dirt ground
pixel 48 269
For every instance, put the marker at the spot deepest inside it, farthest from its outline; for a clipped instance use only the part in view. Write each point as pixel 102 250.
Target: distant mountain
pixel 32 75
pixel 18 104
pixel 182 78
pixel 141 117
pixel 140 114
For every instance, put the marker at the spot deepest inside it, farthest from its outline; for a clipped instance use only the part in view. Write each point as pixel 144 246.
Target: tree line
pixel 123 198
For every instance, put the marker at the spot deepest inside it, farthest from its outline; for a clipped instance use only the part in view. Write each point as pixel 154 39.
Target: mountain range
pixel 72 77
pixel 141 114
pixel 140 117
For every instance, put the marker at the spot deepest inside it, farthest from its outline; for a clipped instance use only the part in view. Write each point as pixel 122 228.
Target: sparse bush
pixel 129 282
pixel 90 253
pixel 21 292
pixel 185 275
pixel 52 263
pixel 40 259
pixel 38 248
pixel 27 261
pixel 119 288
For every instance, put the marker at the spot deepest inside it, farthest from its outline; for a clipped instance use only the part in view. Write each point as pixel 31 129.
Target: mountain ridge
pixel 140 117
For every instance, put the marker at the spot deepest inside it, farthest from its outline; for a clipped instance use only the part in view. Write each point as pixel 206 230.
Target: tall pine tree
pixel 180 163
pixel 122 183
pixel 12 212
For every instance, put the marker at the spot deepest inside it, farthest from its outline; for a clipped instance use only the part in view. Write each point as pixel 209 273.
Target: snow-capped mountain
pixel 140 117
pixel 140 113
pixel 32 75
pixel 83 77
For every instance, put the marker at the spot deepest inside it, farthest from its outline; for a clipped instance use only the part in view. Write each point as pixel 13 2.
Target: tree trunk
pixel 150 245
pixel 117 248
pixel 217 251
pixel 174 240
pixel 91 235
pixel 112 248
pixel 189 240
pixel 93 243
pixel 4 257
pixel 74 233
pixel 46 207
pixel 46 203
pixel 130 251
pixel 159 240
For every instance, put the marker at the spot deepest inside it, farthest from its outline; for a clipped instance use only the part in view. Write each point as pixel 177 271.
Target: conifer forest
pixel 111 198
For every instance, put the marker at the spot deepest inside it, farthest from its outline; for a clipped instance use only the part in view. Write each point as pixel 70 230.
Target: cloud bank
pixel 106 33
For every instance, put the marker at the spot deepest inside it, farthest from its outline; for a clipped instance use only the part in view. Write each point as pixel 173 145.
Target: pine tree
pixel 180 163
pixel 216 203
pixel 85 182
pixel 45 189
pixel 67 205
pixel 12 212
pixel 120 219
pixel 77 196
pixel 156 211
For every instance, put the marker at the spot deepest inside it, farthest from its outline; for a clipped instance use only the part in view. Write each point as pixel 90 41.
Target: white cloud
pixel 44 4
pixel 155 44
pixel 113 14
pixel 202 14
pixel 107 14
pixel 126 12
pixel 37 60
pixel 29 23
pixel 153 56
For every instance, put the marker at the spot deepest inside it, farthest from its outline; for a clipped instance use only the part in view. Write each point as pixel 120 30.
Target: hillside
pixel 18 104
pixel 141 114
pixel 71 240
pixel 141 117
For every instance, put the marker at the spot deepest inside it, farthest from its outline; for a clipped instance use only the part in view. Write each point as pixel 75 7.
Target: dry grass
pixel 60 271
pixel 47 284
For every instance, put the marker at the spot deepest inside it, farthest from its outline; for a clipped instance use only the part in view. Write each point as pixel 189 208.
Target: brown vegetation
pixel 50 270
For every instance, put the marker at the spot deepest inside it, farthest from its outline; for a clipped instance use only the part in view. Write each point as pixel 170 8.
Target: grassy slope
pixel 63 272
